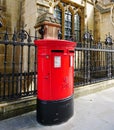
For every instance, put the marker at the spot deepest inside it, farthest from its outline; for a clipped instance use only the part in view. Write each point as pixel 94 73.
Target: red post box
pixel 55 80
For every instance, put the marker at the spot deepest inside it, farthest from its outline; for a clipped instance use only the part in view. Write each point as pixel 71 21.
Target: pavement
pixel 92 112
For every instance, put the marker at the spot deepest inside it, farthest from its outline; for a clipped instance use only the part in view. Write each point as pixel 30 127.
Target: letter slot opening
pixel 58 51
pixel 71 51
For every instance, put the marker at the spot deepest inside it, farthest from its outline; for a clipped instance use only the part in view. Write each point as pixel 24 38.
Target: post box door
pixel 61 74
pixel 44 85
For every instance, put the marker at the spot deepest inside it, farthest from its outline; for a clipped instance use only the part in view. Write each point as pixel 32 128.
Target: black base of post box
pixel 54 112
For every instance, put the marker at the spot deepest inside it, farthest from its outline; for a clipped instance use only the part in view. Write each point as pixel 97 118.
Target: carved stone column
pixel 47 26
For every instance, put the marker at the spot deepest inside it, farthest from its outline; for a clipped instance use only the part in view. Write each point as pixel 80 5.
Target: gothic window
pixel 69 20
pixel 68 25
pixel 58 14
pixel 77 27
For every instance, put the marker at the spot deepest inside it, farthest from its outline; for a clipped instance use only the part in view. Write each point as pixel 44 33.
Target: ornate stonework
pixel 50 25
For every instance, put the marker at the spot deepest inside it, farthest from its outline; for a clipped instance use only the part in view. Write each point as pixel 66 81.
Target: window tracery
pixel 70 20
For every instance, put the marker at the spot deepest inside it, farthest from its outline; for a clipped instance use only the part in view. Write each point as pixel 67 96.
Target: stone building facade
pixel 94 15
pixel 9 18
pixel 104 22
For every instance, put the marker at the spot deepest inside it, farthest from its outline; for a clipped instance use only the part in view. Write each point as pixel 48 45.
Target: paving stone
pixel 92 112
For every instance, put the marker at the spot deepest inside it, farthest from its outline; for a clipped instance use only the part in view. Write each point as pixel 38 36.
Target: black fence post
pixel 109 62
pixel 108 42
pixel 87 56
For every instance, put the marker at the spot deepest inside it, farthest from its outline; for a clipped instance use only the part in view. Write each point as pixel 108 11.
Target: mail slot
pixel 55 81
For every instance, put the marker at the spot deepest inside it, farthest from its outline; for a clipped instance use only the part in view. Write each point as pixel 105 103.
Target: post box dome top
pixel 54 42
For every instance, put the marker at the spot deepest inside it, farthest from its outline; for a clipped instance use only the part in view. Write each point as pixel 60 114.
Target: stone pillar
pixel 48 25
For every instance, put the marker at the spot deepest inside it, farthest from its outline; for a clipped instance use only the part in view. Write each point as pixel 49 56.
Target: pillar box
pixel 55 81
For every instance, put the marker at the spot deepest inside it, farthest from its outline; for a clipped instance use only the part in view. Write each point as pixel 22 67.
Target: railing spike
pixel 14 38
pixel 29 37
pixel 36 35
pixel 6 35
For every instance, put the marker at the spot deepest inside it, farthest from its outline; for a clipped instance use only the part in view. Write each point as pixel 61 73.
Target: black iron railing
pixel 17 65
pixel 93 63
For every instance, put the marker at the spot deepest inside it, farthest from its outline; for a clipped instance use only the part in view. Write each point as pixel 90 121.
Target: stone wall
pixel 10 19
pixel 97 26
pixel 10 12
pixel 29 15
pixel 102 22
pixel 89 18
